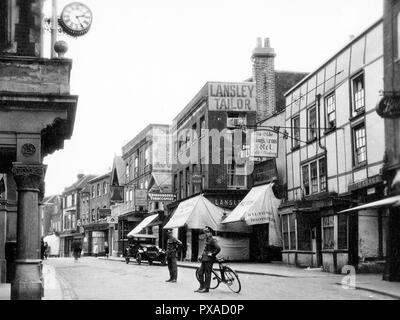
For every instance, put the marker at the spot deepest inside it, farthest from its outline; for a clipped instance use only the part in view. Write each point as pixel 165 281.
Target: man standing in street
pixel 172 246
pixel 211 249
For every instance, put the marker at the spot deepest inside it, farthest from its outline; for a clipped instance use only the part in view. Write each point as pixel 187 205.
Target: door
pixel 353 239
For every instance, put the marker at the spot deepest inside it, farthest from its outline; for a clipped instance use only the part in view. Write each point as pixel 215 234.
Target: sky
pixel 143 61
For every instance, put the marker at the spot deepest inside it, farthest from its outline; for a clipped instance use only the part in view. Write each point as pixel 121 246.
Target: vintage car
pixel 142 248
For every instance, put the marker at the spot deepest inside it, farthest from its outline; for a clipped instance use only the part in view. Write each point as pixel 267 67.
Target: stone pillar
pixel 27 283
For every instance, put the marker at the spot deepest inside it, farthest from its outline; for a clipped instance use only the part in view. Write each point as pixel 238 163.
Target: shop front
pixel 193 214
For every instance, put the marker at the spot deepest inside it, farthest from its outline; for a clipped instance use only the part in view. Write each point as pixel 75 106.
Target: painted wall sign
pixel 264 143
pixel 232 96
pixel 365 183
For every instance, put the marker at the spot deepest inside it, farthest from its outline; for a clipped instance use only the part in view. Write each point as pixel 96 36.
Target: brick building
pixel 210 146
pixel 71 216
pixel 147 169
pixel 96 219
pixel 389 109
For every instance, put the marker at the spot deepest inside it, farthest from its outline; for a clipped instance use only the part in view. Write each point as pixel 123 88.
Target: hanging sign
pixel 264 143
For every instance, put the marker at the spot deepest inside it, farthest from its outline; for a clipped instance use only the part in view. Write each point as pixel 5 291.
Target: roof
pixel 108 174
pixel 80 184
pixel 350 43
pixel 119 167
pixel 140 136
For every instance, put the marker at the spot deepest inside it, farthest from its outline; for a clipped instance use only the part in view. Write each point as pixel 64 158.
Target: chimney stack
pixel 264 76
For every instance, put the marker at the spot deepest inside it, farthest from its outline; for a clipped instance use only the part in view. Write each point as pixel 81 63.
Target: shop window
pixel 358 95
pixel 359 145
pixel 296 132
pixel 285 232
pixel 342 231
pixel 304 235
pixel 328 226
pixel 330 105
pixel 312 123
pixel 292 231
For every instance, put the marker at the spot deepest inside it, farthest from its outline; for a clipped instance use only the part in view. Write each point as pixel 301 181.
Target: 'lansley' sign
pixel 232 96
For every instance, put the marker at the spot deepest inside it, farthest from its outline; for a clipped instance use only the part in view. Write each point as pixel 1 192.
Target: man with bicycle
pixel 207 259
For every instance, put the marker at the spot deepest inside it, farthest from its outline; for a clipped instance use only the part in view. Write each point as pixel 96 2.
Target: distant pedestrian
pixel 207 259
pixel 96 249
pixel 76 248
pixel 106 249
pixel 42 249
pixel 45 250
pixel 173 245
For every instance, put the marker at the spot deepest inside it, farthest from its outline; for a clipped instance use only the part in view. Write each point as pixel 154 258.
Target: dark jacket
pixel 211 249
pixel 172 246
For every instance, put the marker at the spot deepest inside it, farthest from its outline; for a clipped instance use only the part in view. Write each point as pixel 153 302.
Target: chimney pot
pixel 259 42
pixel 266 43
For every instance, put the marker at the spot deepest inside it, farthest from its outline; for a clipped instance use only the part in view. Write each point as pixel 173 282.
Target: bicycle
pixel 227 276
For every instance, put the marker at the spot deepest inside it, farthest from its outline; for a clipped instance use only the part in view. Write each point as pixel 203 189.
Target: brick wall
pixel 264 76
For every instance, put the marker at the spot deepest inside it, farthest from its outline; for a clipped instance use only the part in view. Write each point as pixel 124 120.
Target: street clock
pixel 76 19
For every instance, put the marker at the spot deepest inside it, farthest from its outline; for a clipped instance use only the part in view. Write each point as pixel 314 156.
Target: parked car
pixel 142 248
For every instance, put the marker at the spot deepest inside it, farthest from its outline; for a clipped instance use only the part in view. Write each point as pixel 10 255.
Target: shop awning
pixel 145 222
pixel 196 213
pixel 259 206
pixel 388 202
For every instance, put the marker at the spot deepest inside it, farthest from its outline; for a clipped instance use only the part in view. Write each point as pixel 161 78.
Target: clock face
pixel 76 19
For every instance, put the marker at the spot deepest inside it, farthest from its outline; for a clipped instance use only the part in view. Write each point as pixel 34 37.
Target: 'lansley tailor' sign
pixel 264 144
pixel 230 96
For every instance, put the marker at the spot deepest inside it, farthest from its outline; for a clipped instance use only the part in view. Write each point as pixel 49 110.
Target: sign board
pixel 264 143
pixel 264 172
pixel 112 220
pixel 389 107
pixel 104 213
pixel 159 196
pixel 140 197
pixel 196 178
pixel 232 96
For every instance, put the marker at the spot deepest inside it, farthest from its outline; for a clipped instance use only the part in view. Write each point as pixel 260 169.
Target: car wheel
pixel 150 262
pixel 139 258
pixel 127 260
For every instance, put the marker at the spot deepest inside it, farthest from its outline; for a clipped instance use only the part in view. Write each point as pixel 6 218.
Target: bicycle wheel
pixel 214 283
pixel 232 280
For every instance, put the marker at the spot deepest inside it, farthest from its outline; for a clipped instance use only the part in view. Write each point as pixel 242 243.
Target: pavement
pixel 57 288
